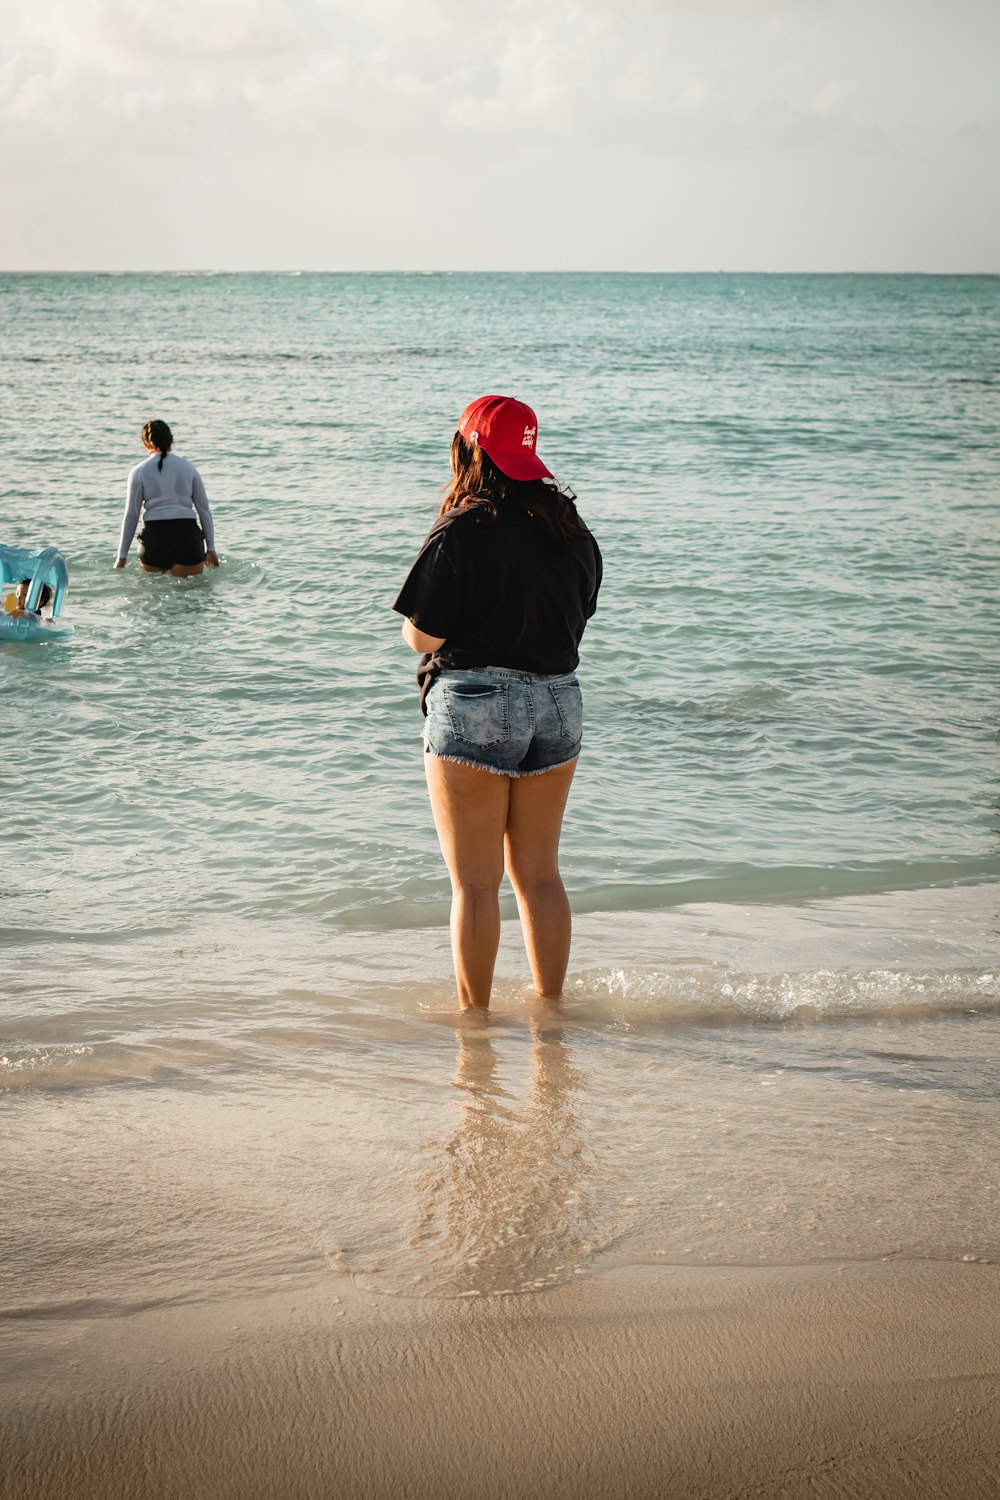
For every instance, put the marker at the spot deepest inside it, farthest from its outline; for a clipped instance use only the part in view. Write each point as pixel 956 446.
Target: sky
pixel 668 135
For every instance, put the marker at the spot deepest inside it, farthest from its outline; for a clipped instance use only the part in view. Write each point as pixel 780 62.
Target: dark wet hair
pixel 478 483
pixel 159 436
pixel 44 597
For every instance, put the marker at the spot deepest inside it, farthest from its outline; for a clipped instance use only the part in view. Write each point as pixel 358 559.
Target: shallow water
pixel 226 988
pixel 791 680
pixel 722 1085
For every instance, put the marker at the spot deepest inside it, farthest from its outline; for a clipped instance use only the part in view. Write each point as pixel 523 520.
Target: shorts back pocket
pixel 478 713
pixel 569 706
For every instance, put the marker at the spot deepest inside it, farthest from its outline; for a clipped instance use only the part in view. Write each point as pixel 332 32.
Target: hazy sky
pixel 508 134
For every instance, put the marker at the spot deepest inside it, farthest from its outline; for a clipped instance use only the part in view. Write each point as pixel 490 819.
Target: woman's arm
pixel 418 641
pixel 130 520
pixel 201 505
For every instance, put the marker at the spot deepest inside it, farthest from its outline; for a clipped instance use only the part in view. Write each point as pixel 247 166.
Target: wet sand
pixel 876 1380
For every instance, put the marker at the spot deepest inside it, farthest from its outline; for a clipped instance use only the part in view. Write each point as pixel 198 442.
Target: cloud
pixel 426 74
pixel 138 35
pixel 307 92
pixel 701 76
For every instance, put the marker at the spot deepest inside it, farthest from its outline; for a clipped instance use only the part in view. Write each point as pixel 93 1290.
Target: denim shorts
pixel 513 723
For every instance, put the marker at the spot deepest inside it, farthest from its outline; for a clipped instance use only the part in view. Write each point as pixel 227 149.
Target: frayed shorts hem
pixel 478 765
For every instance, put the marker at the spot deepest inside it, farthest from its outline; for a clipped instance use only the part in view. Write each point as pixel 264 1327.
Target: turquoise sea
pixel 225 1052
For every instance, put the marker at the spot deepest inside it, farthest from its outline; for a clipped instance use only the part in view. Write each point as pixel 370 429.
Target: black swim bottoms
pixel 164 543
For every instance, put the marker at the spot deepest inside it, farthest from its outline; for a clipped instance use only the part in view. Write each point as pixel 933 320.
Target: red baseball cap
pixel 506 430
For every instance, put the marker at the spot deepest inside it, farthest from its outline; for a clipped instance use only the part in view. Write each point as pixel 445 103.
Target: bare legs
pixel 185 570
pixel 470 814
pixel 534 823
pixel 179 570
pixel 481 819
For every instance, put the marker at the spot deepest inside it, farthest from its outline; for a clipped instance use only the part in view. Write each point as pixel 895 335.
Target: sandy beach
pixel 855 1380
pixel 720 1229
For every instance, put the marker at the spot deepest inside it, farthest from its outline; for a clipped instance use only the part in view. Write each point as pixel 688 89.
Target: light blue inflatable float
pixel 45 567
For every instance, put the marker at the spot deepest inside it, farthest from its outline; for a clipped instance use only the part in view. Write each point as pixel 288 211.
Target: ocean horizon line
pixel 166 271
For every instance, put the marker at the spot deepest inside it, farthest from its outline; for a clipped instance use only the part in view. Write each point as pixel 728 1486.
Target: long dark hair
pixel 477 483
pixel 158 435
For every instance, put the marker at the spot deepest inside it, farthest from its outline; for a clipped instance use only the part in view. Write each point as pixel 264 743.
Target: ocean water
pixel 227 1055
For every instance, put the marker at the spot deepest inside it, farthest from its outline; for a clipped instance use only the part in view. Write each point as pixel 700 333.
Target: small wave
pixel 734 884
pixel 738 884
pixel 118 937
pixel 92 1307
pixel 719 996
pixel 23 1065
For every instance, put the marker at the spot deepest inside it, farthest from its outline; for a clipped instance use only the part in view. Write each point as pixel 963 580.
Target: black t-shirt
pixel 502 593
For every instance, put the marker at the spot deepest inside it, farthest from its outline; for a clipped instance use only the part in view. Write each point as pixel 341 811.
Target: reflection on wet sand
pixel 505 1204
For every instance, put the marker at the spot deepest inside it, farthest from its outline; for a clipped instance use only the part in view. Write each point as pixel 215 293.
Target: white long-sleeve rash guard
pixel 172 493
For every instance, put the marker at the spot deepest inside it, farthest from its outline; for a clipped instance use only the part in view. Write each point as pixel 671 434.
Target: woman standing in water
pixel 169 492
pixel 497 602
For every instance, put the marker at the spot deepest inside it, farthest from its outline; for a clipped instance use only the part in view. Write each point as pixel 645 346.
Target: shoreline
pixel 877 1379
